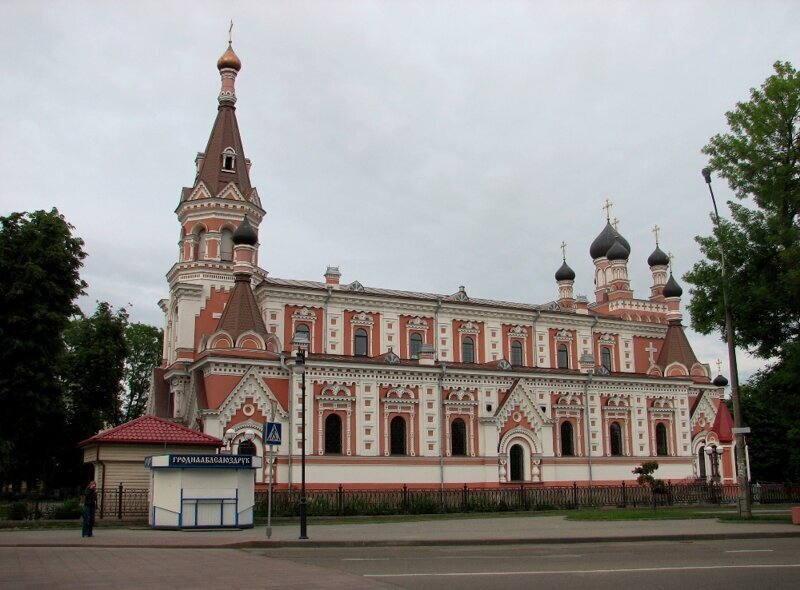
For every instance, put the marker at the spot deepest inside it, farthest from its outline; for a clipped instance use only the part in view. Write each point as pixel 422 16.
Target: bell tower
pixel 210 211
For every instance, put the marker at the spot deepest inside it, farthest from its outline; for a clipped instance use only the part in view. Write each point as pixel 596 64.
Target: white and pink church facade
pixel 424 389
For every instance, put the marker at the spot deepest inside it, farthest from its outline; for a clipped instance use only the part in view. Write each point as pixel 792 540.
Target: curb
pixel 266 544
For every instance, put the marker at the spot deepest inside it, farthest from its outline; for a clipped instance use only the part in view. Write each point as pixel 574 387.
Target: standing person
pixel 89 507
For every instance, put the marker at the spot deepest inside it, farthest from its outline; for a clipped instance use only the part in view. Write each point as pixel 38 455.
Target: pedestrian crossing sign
pixel 272 433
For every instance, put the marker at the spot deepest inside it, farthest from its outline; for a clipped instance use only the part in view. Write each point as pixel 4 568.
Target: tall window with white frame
pixel 662 447
pixel 468 350
pixel 615 439
pixel 397 436
pixel 333 434
pixel 303 331
pixel 361 342
pixel 458 438
pixel 516 457
pixel 415 345
pixel 516 353
pixel 563 356
pixel 567 439
pixel 605 358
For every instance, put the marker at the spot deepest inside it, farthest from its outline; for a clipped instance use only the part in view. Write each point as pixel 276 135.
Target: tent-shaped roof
pixel 723 424
pixel 150 429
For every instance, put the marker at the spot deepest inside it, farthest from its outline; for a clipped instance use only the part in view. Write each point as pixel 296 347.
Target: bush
pixel 17 511
pixel 69 510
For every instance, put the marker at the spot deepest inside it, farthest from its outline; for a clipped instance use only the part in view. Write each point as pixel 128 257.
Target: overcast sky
pixel 416 145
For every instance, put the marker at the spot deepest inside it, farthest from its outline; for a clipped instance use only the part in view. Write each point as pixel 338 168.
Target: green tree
pixel 144 354
pixel 759 157
pixel 40 261
pixel 95 367
pixel 93 374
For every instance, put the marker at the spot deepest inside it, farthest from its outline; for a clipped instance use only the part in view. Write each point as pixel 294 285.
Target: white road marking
pixel 604 571
pixel 470 557
pixel 750 551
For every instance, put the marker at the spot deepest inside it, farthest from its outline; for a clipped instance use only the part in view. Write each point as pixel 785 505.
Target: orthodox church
pixel 423 389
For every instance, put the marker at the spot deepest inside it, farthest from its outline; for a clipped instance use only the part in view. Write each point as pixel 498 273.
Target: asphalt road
pixel 710 565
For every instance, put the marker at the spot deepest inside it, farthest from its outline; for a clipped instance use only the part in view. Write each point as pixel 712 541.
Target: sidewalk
pixel 520 529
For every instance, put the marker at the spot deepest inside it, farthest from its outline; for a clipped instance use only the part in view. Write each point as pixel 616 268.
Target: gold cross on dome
pixel 719 367
pixel 656 229
pixel 564 251
pixel 607 206
pixel 670 256
pixel 230 33
pixel 615 223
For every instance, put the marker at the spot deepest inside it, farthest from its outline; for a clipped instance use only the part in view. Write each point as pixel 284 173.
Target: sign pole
pixel 272 437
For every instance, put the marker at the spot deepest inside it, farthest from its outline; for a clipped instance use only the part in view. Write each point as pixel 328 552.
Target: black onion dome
pixel 657 258
pixel 672 288
pixel 605 240
pixel 245 234
pixel 618 251
pixel 720 381
pixel 565 273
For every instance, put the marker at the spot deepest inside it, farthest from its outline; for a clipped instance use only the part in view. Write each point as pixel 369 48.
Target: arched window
pixel 661 440
pixel 247 447
pixel 361 342
pixel 458 438
pixel 416 344
pixel 302 330
pixel 398 436
pixel 615 437
pixel 516 353
pixel 563 357
pixel 467 350
pixel 605 358
pixel 517 460
pixel 228 159
pixel 567 443
pixel 202 245
pixel 333 435
pixel 701 462
pixel 226 245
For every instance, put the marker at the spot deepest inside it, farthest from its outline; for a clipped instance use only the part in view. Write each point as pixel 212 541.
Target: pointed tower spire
pixel 224 161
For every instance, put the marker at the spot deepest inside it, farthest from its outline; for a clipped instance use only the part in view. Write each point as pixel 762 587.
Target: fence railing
pixel 343 501
pixel 121 502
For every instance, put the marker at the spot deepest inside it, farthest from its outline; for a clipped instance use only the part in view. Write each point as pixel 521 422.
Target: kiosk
pixel 202 491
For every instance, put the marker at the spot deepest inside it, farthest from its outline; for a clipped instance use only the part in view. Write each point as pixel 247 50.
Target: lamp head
pixel 706 172
pixel 230 434
pixel 249 434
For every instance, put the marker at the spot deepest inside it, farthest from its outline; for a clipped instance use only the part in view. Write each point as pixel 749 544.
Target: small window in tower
pixel 228 160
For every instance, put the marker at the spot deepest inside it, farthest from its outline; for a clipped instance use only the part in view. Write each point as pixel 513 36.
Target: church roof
pixel 676 348
pixel 225 137
pixel 723 424
pixel 241 312
pixel 224 134
pixel 150 429
pixel 418 295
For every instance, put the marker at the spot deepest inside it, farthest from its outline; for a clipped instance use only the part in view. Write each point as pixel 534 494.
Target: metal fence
pixel 133 503
pixel 116 502
pixel 343 501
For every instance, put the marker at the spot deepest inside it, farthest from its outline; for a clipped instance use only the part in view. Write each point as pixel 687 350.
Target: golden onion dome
pixel 229 60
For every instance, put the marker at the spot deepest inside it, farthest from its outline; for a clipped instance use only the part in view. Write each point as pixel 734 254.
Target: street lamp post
pixel 715 454
pixel 741 469
pixel 301 342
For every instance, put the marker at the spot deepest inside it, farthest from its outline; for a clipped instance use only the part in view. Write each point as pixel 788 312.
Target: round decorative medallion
pixel 516 416
pixel 248 409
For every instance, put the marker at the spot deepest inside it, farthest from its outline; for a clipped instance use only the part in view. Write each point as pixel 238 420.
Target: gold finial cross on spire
pixel 607 206
pixel 564 251
pixel 719 367
pixel 670 256
pixel 230 33
pixel 656 229
pixel 615 223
